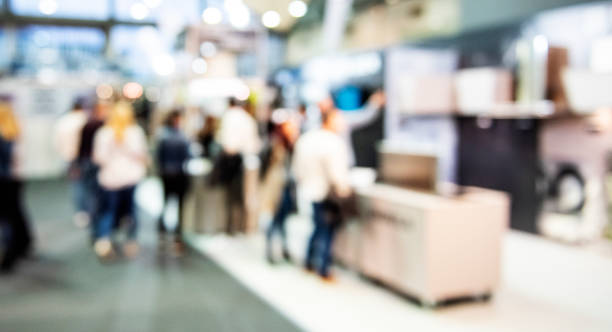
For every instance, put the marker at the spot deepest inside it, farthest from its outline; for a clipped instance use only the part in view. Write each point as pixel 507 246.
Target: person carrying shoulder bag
pixel 321 167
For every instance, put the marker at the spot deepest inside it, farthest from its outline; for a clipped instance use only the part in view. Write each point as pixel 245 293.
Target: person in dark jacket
pixel 172 153
pixel 15 230
pixel 88 169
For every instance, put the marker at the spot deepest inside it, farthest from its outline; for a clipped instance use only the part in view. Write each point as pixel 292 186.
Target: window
pixel 4 52
pixel 98 9
pixel 134 49
pixel 60 48
pixel 188 11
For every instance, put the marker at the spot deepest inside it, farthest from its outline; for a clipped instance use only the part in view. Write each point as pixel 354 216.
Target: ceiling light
pixel 199 66
pixel 239 16
pixel 164 65
pixel 270 19
pixel 104 91
pixel 47 7
pixel 297 8
pixel 139 11
pixel 212 16
pixel 132 90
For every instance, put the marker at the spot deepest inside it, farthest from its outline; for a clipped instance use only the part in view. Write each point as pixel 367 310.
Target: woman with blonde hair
pixel 15 230
pixel 120 150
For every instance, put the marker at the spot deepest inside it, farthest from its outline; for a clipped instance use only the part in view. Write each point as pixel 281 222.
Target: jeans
pixel 90 192
pixel 114 202
pixel 89 188
pixel 321 241
pixel 278 222
pixel 79 195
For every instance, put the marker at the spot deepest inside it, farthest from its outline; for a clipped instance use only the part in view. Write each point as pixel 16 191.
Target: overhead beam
pixel 10 19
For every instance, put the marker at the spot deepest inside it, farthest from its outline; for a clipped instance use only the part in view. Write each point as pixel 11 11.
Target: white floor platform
pixel 546 286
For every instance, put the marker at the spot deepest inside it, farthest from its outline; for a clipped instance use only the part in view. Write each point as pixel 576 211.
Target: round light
pixel 47 7
pixel 48 76
pixel 199 66
pixel 132 90
pixel 152 3
pixel 270 19
pixel 239 16
pixel 208 49
pixel 139 11
pixel 164 65
pixel 104 91
pixel 212 16
pixel 297 8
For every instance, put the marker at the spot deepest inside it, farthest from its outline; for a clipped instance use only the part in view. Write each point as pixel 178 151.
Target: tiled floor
pixel 65 288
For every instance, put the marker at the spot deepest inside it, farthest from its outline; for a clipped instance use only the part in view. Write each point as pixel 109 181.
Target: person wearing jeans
pixel 321 167
pixel 120 150
pixel 278 223
pixel 320 244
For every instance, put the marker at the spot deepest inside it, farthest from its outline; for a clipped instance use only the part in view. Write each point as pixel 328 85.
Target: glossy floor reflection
pixel 65 288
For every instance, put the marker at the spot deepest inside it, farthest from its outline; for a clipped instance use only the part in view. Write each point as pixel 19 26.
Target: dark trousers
pixel 114 205
pixel 234 200
pixel 174 185
pixel 16 232
pixel 278 222
pixel 319 250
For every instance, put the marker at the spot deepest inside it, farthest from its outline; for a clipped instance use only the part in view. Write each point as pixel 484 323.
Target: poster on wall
pixel 38 107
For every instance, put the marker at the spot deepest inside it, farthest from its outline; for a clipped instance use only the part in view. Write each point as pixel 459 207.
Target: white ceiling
pixel 262 6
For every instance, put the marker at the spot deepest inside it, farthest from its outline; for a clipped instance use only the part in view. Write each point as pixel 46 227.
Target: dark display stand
pixel 366 154
pixel 504 157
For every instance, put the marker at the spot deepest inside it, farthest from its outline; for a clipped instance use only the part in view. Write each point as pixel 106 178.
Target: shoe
pixel 131 249
pixel 287 256
pixel 309 269
pixel 179 248
pixel 104 248
pixel 81 219
pixel 329 279
pixel 270 259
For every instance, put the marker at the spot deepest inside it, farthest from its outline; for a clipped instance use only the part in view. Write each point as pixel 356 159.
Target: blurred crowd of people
pixel 107 154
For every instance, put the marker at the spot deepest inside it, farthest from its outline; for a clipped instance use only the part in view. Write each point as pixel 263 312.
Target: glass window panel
pixel 134 49
pixel 59 48
pixel 97 9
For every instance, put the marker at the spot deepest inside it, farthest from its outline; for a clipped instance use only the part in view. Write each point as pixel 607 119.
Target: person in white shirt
pixel 67 134
pixel 239 139
pixel 238 132
pixel 321 168
pixel 120 150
